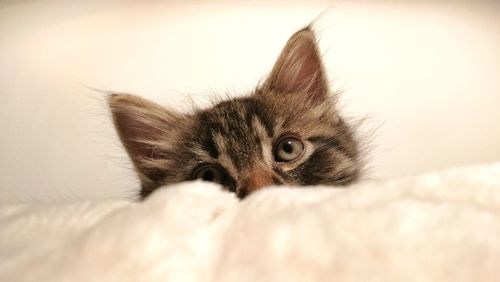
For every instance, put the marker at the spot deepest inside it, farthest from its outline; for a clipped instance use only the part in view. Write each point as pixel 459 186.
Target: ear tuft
pixel 142 126
pixel 299 68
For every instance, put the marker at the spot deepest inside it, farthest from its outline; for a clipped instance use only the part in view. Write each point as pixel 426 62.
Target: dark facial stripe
pixel 208 145
pixel 312 171
pixel 257 109
pixel 330 141
pixel 204 134
pixel 242 144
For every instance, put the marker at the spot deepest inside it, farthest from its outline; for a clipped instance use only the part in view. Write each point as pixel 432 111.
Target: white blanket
pixel 443 226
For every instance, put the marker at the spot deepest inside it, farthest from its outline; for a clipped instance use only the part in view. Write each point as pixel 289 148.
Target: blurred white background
pixel 426 73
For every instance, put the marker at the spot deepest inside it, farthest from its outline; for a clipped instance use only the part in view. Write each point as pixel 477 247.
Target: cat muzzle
pixel 256 180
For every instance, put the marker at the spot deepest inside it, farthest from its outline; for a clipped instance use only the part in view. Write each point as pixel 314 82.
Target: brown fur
pixel 238 137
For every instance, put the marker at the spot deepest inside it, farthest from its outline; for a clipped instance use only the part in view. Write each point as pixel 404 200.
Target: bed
pixel 441 226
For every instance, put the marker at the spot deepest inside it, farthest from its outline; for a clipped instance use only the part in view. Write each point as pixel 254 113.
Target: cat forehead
pixel 234 130
pixel 237 117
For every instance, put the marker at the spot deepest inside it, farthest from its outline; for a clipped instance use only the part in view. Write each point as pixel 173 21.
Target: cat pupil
pixel 288 147
pixel 208 175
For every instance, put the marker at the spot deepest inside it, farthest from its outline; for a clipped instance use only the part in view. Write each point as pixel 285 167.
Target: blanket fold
pixel 443 226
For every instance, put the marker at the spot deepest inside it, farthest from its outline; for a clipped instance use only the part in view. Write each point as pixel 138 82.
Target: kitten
pixel 288 131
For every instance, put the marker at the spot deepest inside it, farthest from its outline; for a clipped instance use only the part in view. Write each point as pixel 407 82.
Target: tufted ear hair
pixel 299 69
pixel 145 128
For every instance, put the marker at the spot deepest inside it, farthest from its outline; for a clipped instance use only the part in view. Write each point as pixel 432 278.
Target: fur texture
pixel 236 142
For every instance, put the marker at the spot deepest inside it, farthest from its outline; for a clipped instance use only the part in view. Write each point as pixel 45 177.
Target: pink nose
pixel 256 180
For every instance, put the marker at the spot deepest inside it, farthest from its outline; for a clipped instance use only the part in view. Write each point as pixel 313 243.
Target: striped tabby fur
pixel 237 138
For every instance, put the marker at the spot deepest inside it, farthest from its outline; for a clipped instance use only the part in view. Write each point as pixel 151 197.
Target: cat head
pixel 287 132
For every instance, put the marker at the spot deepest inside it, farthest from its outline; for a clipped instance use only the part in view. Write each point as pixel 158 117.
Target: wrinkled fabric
pixel 443 226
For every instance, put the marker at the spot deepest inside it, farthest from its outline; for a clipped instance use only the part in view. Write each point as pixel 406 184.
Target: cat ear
pixel 299 68
pixel 143 127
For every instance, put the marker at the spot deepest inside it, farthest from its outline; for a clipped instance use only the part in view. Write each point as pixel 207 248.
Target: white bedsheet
pixel 443 226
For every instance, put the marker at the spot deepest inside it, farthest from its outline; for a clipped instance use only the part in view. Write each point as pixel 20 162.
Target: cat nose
pixel 256 180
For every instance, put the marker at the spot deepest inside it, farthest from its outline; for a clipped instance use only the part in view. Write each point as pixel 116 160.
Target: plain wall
pixel 426 74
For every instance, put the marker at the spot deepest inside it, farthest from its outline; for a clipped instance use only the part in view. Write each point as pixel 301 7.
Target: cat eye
pixel 288 149
pixel 209 173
